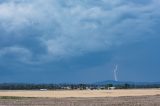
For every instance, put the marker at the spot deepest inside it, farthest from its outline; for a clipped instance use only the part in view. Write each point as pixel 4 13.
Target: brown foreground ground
pixel 105 101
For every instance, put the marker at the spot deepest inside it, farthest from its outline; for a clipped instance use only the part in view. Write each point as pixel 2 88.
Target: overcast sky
pixel 57 41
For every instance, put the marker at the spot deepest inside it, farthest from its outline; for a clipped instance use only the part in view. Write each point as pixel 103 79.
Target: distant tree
pixel 108 85
pixel 82 86
pixel 126 86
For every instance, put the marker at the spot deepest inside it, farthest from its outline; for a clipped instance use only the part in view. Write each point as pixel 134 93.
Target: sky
pixel 79 41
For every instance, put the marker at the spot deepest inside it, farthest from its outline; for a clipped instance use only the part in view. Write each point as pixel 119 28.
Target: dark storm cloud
pixel 48 32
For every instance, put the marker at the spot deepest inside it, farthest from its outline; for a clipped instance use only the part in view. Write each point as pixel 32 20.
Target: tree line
pixel 23 86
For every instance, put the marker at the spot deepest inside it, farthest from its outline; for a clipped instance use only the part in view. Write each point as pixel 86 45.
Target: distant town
pixel 96 86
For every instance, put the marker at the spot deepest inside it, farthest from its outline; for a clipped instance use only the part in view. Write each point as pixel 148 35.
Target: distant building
pixel 43 89
pixel 67 88
pixel 111 88
pixel 100 88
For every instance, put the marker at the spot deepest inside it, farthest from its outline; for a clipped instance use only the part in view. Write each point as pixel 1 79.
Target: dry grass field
pixel 81 93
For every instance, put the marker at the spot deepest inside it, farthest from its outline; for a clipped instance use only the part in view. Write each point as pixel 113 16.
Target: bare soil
pixel 104 101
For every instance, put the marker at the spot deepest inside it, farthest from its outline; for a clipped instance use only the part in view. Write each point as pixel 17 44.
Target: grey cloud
pixel 15 53
pixel 69 28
